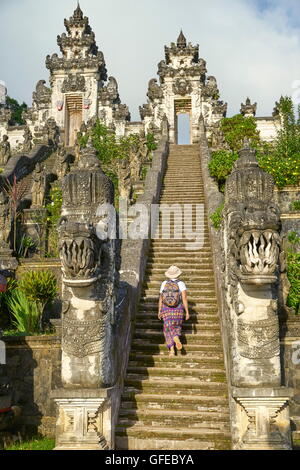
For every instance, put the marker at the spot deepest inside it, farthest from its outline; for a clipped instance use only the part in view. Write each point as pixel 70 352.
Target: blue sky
pixel 251 46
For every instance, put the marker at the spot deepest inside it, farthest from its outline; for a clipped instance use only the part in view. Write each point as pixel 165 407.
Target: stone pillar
pixel 252 246
pixel 88 332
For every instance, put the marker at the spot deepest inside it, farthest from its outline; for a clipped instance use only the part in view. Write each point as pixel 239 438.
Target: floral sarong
pixel 173 318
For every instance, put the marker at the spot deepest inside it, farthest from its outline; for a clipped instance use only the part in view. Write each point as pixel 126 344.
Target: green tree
pixel 17 110
pixel 238 128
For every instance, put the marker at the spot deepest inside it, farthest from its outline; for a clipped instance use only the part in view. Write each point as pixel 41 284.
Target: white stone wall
pixel 15 137
pixel 268 128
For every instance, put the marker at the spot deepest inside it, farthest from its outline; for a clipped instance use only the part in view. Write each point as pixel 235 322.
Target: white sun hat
pixel 173 272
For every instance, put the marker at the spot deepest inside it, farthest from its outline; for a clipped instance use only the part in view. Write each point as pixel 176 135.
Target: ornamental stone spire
pixel 181 41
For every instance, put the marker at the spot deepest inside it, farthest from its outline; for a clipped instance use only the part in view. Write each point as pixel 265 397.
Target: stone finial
pixel 181 40
pixel 248 109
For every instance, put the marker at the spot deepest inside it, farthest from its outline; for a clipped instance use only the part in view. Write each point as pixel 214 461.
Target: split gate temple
pixel 104 379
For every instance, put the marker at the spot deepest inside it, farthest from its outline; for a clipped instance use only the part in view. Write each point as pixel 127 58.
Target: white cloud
pixel 251 52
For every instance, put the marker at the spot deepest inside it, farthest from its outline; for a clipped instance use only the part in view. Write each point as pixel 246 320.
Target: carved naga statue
pixel 252 248
pixel 88 266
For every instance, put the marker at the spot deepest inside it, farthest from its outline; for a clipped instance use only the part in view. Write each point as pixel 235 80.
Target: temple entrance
pixel 73 118
pixel 183 111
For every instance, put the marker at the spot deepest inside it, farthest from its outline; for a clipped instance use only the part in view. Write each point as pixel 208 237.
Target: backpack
pixel 171 296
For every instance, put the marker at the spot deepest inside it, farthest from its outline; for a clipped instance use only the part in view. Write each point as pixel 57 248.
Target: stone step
pixel 187 338
pixel 177 386
pixel 204 306
pixel 178 419
pixel 188 402
pixel 141 360
pixel 189 328
pixel 183 256
pixel 192 349
pixel 195 317
pixel 191 282
pixel 132 441
pixel 197 373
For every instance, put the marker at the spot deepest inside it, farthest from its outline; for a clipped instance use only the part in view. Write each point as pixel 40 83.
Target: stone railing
pixel 259 404
pixel 21 165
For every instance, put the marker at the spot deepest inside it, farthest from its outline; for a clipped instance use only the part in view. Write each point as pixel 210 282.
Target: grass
pixel 39 443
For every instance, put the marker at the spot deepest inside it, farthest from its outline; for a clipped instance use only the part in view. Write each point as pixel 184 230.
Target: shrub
pixel 216 217
pixel 293 273
pixel 238 128
pixel 39 286
pixel 295 206
pixel 220 166
pixel 26 313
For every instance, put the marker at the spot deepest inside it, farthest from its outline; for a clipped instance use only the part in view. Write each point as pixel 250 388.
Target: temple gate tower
pixel 78 92
pixel 184 89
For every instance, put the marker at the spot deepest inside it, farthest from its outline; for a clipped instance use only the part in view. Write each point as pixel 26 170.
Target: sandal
pixel 172 352
pixel 178 343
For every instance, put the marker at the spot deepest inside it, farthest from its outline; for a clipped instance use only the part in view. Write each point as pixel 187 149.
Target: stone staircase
pixel 177 402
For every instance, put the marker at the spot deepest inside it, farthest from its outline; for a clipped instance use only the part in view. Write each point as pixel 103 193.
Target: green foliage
pixel 293 273
pixel 237 128
pixel 38 443
pixel 53 215
pixel 39 287
pixel 280 158
pixel 17 110
pixel 26 244
pixel 216 217
pixel 111 150
pixel 150 142
pixel 220 166
pixel 295 206
pixel 293 238
pixel 5 319
pixel 25 312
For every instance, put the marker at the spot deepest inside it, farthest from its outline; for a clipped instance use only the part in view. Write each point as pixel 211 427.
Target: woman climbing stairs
pixel 177 402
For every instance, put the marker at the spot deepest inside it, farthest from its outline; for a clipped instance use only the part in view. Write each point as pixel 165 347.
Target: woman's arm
pixel 159 306
pixel 185 304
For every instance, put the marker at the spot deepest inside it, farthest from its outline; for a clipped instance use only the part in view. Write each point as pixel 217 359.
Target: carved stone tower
pixel 184 89
pixel 77 93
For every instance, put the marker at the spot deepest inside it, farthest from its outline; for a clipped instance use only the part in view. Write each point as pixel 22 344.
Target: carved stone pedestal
pixel 263 418
pixel 82 417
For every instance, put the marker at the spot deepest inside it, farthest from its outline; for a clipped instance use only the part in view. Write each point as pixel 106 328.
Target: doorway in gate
pixel 73 118
pixel 183 126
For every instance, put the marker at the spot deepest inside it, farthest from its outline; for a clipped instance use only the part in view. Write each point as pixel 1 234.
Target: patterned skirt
pixel 173 318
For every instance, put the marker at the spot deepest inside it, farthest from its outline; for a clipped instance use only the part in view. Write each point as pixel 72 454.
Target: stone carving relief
pixel 5 221
pixel 79 250
pixel 154 90
pixel 27 143
pixel 38 187
pixel 72 83
pixel 124 179
pixel 110 94
pixel 259 339
pixel 42 94
pixel 82 338
pixel 5 151
pixel 182 87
